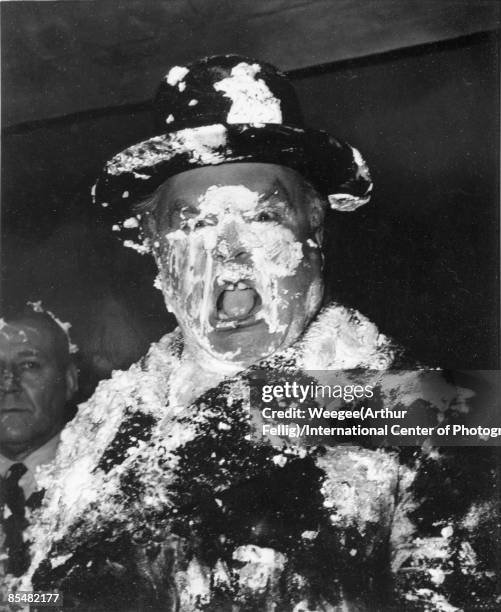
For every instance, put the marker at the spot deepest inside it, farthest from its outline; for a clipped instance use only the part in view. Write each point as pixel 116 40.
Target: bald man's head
pixel 37 380
pixel 43 324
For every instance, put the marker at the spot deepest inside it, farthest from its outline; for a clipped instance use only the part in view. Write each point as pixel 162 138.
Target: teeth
pixel 227 324
pixel 230 287
pixel 241 285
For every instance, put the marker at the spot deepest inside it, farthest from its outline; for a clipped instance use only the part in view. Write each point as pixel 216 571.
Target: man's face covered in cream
pixel 238 252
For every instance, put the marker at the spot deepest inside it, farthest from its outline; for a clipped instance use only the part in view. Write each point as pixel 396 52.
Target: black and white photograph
pixel 250 306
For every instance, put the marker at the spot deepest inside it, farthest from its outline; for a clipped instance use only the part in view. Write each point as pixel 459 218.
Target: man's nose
pixel 238 256
pixel 230 246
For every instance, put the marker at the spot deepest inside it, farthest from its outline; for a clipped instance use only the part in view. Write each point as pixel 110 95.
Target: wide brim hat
pixel 228 109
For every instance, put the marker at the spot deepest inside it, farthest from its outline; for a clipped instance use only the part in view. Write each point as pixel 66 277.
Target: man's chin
pixel 244 344
pixel 14 438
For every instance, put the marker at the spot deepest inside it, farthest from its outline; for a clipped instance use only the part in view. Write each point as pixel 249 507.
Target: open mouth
pixel 237 305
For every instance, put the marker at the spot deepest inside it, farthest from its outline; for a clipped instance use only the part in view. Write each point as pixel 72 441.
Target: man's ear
pixel 149 225
pixel 319 235
pixel 71 377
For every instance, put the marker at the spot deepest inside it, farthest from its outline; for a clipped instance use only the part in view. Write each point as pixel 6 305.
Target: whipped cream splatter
pixel 252 100
pixel 131 223
pixel 64 325
pixel 176 74
pixel 202 144
pixel 347 202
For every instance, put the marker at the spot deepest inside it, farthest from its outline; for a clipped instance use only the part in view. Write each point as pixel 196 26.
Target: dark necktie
pixel 13 502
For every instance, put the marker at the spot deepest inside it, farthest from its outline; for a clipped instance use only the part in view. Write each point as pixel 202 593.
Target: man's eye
pixel 29 365
pixel 189 224
pixel 205 222
pixel 266 216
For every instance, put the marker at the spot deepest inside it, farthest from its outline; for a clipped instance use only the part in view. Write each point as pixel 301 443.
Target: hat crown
pixel 225 89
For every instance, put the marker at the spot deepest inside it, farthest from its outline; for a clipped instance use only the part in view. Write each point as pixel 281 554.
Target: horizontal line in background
pixel 300 73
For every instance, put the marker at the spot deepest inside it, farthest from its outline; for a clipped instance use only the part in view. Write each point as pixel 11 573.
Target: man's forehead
pixel 261 179
pixel 25 336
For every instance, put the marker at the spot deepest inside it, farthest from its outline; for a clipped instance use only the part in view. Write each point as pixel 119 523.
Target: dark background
pixel 421 260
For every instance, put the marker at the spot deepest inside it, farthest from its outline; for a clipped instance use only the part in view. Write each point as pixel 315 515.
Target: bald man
pixel 37 381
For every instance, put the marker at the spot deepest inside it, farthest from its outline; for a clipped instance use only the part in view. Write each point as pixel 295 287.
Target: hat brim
pixel 334 168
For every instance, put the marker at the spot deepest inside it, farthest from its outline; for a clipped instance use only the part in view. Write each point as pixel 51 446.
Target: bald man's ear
pixel 319 236
pixel 71 377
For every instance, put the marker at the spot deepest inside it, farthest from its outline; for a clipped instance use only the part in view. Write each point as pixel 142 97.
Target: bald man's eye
pixel 28 365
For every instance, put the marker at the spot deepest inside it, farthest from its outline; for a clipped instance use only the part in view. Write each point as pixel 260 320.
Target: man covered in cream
pixel 239 262
pixel 160 497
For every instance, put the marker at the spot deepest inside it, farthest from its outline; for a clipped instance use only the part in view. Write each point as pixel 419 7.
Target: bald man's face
pixel 35 384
